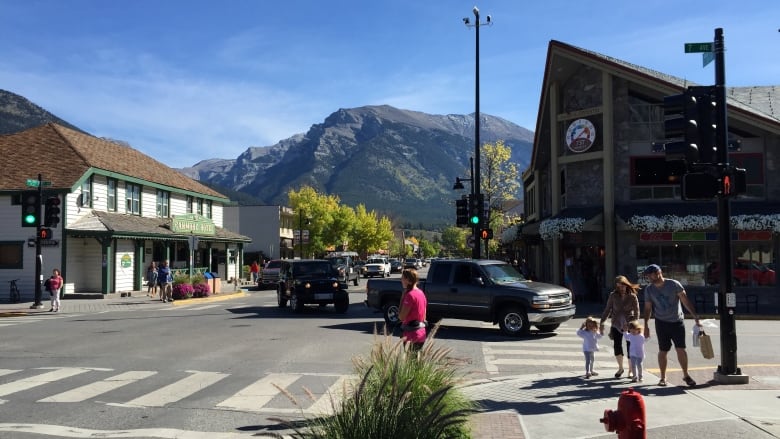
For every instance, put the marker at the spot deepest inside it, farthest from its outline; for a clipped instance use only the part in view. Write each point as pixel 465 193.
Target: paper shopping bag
pixel 706 345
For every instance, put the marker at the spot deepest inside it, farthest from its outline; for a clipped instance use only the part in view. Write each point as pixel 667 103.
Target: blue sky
pixel 189 80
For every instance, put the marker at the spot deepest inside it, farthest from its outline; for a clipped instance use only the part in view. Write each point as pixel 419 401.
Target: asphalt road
pixel 227 369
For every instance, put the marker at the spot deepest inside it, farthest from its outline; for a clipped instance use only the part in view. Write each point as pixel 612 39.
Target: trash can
pixel 216 282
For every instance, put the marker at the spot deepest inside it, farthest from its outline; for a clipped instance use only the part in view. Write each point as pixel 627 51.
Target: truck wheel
pixel 295 303
pixel 548 328
pixel 280 300
pixel 342 303
pixel 513 322
pixel 390 311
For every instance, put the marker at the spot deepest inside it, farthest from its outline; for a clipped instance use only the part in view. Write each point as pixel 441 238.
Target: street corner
pixel 218 297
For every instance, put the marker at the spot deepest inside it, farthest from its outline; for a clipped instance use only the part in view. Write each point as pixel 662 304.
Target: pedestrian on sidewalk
pixel 412 312
pixel 151 279
pixel 636 349
pixel 590 334
pixel 663 298
pixel 54 285
pixel 623 307
pixel 165 281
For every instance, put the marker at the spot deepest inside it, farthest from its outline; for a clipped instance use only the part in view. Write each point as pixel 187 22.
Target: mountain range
pixel 399 163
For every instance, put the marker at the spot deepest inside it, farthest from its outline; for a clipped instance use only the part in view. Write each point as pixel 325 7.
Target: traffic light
pixel 475 209
pixel 486 233
pixel 51 216
pixel 44 233
pixel 31 209
pixel 462 212
pixel 734 182
pixel 689 126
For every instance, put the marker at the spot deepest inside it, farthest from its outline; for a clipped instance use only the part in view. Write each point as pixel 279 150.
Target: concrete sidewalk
pixel 99 302
pixel 563 405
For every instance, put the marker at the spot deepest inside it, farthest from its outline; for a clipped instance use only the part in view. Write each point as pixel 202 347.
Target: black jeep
pixel 310 281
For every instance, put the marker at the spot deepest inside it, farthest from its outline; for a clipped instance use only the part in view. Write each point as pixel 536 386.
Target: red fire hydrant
pixel 629 419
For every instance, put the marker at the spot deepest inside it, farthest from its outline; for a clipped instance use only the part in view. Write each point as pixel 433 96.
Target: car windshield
pixel 503 273
pixel 319 269
pixel 273 264
pixel 338 261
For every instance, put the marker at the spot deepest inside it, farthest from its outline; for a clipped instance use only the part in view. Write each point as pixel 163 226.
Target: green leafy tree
pixel 428 248
pixel 453 241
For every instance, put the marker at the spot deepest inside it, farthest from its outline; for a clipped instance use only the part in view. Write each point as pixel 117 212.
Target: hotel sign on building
pixel 192 223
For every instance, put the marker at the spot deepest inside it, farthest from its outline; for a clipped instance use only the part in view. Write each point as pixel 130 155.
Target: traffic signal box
pixel 45 233
pixel 690 126
pixel 690 129
pixel 462 212
pixel 476 204
pixel 51 216
pixel 31 209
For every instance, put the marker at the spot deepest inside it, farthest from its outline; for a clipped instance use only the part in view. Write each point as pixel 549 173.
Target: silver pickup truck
pixel 482 290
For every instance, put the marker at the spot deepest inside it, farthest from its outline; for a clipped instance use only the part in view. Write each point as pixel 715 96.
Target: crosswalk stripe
pixel 99 387
pixel 8 371
pixel 259 393
pixel 178 390
pixel 544 362
pixel 39 380
pixel 526 352
pixel 329 401
pixel 572 346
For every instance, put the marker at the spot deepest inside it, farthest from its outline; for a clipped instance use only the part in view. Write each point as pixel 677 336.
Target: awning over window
pixel 122 226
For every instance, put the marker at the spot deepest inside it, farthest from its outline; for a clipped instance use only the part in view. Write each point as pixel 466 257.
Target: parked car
pixel 269 275
pixel 744 272
pixel 310 281
pixel 396 266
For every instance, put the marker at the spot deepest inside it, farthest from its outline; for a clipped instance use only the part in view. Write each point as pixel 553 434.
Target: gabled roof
pixel 62 156
pixel 759 102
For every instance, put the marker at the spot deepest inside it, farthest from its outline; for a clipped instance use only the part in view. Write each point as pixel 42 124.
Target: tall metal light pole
pixel 476 184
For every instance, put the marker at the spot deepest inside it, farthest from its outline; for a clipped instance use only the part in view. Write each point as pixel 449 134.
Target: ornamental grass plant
pixel 402 393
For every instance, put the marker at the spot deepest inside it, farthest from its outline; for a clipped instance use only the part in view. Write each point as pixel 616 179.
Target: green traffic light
pixel 474 220
pixel 29 219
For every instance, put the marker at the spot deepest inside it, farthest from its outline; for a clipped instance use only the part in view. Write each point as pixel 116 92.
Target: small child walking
pixel 635 336
pixel 590 334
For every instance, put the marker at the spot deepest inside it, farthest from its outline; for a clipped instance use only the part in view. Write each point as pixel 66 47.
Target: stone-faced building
pixel 600 201
pixel 120 210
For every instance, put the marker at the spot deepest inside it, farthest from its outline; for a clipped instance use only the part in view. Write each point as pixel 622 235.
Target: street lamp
pixel 476 253
pixel 458 186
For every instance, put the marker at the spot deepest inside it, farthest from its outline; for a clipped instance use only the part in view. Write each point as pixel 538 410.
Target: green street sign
pixel 35 183
pixel 698 47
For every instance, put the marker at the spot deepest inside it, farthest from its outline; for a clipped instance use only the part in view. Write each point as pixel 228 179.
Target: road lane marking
pixel 92 390
pixel 178 390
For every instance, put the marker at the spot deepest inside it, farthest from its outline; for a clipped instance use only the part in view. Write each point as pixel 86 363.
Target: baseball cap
pixel 652 268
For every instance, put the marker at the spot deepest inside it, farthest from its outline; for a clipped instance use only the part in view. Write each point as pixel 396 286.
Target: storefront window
pixel 696 264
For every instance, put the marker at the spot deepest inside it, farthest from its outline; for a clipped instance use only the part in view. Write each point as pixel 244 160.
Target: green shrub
pixel 403 393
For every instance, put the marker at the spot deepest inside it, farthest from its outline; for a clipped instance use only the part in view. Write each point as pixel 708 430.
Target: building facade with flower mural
pixel 599 201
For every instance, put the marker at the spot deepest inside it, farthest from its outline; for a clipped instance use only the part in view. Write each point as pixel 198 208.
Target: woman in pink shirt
pixel 55 284
pixel 413 309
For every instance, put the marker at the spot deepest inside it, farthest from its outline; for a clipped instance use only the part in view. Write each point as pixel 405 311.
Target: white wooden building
pixel 120 210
